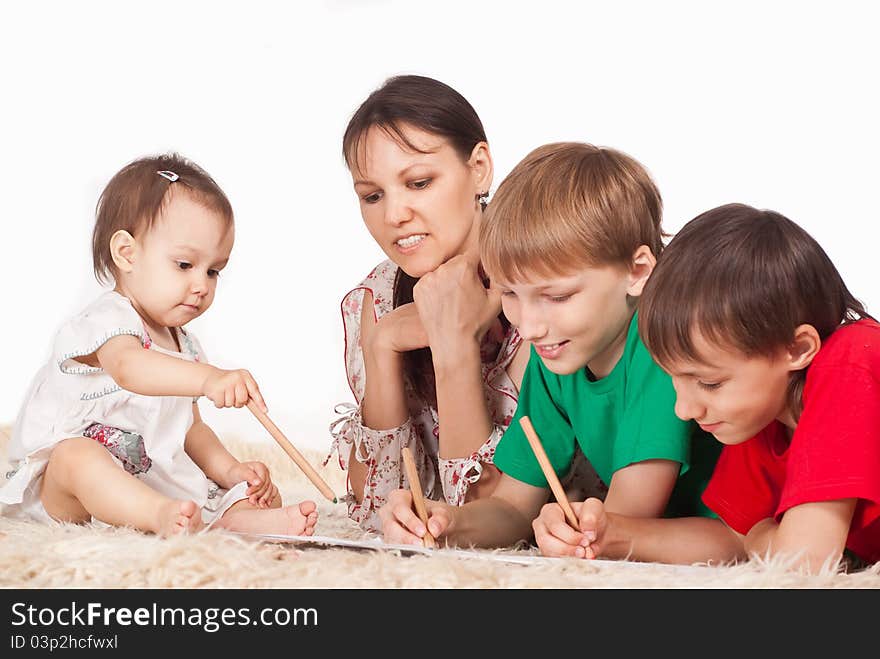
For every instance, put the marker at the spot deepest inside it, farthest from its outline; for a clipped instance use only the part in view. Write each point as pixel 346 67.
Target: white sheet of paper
pixel 377 544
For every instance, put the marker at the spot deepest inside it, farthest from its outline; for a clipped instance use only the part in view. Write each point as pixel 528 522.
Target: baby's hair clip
pixel 171 176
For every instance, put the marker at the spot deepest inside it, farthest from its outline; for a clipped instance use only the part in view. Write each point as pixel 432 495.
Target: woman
pixel 430 359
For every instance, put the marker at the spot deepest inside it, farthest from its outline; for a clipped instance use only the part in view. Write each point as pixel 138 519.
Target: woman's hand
pixel 400 524
pixel 454 306
pixel 398 331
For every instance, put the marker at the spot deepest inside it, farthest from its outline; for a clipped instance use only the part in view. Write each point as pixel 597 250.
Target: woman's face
pixel 421 208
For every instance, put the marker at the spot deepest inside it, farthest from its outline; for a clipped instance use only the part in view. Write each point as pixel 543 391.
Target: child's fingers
pixel 556 524
pixel 269 496
pixel 261 483
pixel 255 483
pixel 554 547
pixel 254 393
pixel 258 493
pixel 553 534
pixel 562 531
pixel 591 515
pixel 265 488
pixel 241 394
pixel 257 489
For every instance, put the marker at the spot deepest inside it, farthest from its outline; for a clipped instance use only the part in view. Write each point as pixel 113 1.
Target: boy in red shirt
pixel 770 352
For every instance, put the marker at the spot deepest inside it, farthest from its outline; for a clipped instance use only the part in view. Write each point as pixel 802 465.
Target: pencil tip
pixel 334 500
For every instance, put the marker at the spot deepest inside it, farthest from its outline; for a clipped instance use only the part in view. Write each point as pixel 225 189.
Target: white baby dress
pixel 67 397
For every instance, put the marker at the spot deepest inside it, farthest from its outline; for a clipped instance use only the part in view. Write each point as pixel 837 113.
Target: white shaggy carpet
pixel 33 555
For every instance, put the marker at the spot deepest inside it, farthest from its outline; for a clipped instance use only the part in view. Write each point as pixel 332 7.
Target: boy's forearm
pixel 761 537
pixel 150 373
pixel 670 540
pixel 207 451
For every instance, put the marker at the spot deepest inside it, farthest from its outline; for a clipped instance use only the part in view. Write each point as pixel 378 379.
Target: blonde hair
pixel 566 206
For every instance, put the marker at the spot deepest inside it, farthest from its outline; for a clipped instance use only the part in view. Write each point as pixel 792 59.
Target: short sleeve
pixel 649 428
pixel 743 489
pixel 380 284
pixel 352 305
pixel 835 452
pixel 514 455
pixel 109 316
pixel 190 346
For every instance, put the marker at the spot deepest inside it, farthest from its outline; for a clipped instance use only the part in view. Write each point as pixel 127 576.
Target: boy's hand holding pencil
pixel 555 537
pixel 564 528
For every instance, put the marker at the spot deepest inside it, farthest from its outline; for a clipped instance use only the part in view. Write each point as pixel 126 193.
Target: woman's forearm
pixel 465 423
pixel 384 404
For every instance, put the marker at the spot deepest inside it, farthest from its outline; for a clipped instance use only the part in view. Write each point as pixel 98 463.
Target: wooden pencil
pixel 549 473
pixel 289 448
pixel 415 487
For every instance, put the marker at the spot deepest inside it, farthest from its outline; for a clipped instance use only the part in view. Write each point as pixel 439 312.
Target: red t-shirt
pixel 834 452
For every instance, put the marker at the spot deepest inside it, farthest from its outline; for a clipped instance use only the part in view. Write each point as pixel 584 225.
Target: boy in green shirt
pixel 570 240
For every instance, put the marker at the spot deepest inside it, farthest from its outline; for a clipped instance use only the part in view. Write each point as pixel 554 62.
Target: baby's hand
pixel 232 388
pixel 401 525
pixel 261 490
pixel 555 536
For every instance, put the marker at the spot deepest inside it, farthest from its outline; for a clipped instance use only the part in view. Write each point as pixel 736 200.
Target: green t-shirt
pixel 626 417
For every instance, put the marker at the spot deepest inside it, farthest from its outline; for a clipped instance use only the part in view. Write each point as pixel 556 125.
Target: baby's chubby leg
pixel 244 517
pixel 82 481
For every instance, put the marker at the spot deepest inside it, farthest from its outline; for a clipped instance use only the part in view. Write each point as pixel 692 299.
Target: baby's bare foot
pixel 302 518
pixel 290 520
pixel 176 517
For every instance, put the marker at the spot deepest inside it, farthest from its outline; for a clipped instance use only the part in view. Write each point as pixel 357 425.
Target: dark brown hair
pixel 567 206
pixel 136 195
pixel 746 279
pixel 436 108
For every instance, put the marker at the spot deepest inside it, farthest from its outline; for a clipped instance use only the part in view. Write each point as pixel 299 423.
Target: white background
pixel 769 103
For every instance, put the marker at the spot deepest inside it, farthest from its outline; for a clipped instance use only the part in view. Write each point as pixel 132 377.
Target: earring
pixel 483 199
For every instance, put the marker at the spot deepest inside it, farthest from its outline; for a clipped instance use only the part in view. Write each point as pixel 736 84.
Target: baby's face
pixel 179 261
